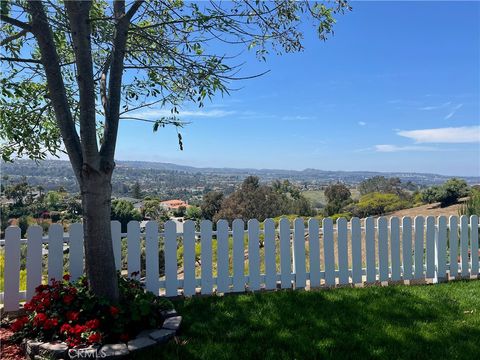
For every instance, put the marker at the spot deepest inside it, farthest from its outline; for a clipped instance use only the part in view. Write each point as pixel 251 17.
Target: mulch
pixel 9 350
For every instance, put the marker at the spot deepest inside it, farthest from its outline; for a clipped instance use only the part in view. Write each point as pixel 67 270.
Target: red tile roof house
pixel 173 204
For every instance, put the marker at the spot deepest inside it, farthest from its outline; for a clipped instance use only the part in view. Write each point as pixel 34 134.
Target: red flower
pixel 68 299
pixel 93 324
pixel 95 338
pixel 50 323
pixel 71 342
pixel 46 301
pixel 79 329
pixel 66 328
pixel 40 288
pixel 114 310
pixel 39 319
pixel 66 277
pixel 124 337
pixel 18 324
pixel 29 306
pixel 72 315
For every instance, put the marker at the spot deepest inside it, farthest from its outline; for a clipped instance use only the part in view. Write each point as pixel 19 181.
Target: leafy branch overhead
pixel 137 54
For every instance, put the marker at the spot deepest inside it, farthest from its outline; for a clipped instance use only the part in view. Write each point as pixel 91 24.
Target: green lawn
pixel 436 322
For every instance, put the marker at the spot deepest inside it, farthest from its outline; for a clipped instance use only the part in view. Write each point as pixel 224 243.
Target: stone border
pixel 58 350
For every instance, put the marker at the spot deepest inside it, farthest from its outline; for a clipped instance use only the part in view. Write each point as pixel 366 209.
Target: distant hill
pixel 351 177
pixel 57 168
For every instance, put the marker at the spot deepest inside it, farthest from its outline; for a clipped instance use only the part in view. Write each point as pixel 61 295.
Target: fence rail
pixel 252 256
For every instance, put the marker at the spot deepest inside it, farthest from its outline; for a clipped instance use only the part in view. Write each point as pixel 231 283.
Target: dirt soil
pixel 9 350
pixel 428 210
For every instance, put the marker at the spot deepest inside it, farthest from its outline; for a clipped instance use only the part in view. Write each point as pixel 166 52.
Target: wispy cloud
pixel 157 113
pixel 297 117
pixel 463 134
pixel 436 107
pixel 454 110
pixel 396 148
pixel 362 123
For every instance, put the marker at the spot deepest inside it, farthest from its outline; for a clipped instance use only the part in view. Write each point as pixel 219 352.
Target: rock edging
pixel 58 350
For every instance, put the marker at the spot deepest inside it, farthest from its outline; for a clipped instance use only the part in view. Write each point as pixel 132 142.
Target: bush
pixel 69 312
pixel 335 217
pixel 378 204
pixel 447 194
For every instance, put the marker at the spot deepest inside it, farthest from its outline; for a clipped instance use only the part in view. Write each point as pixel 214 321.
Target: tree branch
pixel 133 9
pixel 107 150
pixel 78 13
pixel 34 61
pixel 13 37
pixel 56 87
pixel 17 23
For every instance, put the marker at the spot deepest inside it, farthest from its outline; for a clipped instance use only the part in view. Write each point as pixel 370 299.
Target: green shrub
pixel 447 194
pixel 378 204
pixel 346 215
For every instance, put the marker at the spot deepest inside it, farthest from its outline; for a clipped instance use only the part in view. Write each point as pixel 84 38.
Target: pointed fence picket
pixel 430 247
pixel 133 248
pixel 189 283
pixel 395 248
pixel 285 256
pixel 453 246
pixel 223 258
pixel 314 247
pixel 441 253
pixel 253 255
pixel 370 250
pixel 356 251
pixel 215 258
pixel 270 251
pixel 342 252
pixel 329 252
pixel 383 248
pixel 474 245
pixel 34 259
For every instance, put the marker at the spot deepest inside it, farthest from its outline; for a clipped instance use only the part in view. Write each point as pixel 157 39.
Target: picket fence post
pixel 12 269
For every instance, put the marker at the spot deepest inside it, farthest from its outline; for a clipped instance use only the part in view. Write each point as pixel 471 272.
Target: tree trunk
pixel 100 263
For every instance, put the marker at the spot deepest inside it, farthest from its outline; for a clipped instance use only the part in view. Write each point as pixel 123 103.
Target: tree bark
pixel 100 264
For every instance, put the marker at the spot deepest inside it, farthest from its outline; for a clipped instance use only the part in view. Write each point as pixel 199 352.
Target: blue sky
pixel 397 88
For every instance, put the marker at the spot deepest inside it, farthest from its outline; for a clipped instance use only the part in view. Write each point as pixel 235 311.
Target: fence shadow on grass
pixel 392 322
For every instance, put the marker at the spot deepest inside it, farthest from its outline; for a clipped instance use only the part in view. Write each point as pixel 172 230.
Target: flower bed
pixel 65 315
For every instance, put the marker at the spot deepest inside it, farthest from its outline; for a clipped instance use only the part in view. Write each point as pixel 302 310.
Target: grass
pixel 407 322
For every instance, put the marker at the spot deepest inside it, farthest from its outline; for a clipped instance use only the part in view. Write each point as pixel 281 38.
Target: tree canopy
pixel 73 70
pixel 61 74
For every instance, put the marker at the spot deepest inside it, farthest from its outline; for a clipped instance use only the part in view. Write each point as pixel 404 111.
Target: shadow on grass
pixel 391 322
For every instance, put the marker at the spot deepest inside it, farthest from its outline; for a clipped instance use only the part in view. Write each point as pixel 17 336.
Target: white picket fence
pixel 327 254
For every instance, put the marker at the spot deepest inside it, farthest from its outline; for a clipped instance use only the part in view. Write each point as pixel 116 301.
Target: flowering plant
pixel 68 311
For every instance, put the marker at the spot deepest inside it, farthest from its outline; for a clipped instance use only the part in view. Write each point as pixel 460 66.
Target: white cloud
pixel 296 117
pixel 435 107
pixel 463 134
pixel 157 113
pixel 454 110
pixel 395 148
pixel 362 123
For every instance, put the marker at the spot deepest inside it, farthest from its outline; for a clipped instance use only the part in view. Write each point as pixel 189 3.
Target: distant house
pixel 173 204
